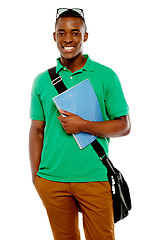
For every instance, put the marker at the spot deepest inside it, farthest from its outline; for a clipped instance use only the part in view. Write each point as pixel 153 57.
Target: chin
pixel 69 56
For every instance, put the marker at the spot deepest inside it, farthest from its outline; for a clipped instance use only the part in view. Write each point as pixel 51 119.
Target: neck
pixel 74 64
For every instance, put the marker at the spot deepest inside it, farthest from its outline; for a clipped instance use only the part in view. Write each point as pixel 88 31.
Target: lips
pixel 68 48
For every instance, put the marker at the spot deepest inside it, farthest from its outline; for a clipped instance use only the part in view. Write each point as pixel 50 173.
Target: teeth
pixel 68 48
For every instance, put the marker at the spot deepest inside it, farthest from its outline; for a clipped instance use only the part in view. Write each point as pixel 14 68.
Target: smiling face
pixel 69 35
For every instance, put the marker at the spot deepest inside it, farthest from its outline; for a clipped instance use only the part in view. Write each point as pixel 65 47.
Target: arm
pixel 112 128
pixel 35 145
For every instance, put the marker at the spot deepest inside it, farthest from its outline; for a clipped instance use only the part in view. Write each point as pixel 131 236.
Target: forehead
pixel 69 23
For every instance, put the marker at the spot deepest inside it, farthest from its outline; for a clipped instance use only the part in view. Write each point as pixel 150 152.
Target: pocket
pixel 106 185
pixel 35 180
pixel 40 183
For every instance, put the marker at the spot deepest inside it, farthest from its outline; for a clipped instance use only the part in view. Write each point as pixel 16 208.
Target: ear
pixel 54 36
pixel 85 37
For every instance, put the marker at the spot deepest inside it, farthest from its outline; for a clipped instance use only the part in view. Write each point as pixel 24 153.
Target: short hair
pixel 72 13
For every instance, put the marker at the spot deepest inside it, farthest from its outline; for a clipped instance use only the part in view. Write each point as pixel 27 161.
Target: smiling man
pixel 70 37
pixel 65 176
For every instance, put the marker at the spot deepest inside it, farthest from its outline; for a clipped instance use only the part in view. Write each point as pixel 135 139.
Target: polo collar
pixel 89 65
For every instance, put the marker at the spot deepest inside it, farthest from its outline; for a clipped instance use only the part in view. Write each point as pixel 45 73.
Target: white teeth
pixel 68 48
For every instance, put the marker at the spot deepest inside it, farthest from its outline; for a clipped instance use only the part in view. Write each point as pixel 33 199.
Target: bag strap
pixel 57 82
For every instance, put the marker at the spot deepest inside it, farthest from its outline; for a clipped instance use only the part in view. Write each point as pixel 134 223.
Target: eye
pixel 76 33
pixel 60 34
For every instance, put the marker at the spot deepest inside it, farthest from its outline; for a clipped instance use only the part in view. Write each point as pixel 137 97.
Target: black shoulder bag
pixel 120 191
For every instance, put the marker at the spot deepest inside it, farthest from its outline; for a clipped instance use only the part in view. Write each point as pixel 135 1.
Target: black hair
pixel 72 13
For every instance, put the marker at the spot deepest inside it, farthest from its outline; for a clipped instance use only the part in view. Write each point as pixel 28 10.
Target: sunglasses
pixel 77 10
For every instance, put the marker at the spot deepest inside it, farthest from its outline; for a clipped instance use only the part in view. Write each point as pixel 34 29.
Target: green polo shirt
pixel 61 159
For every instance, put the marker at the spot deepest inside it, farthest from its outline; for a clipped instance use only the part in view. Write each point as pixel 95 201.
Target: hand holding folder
pixel 70 122
pixel 82 101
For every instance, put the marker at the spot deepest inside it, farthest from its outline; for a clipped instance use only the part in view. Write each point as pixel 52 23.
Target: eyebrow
pixel 75 30
pixel 71 30
pixel 60 30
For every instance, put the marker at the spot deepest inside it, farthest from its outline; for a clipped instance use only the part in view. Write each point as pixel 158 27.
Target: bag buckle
pixel 113 185
pixel 56 80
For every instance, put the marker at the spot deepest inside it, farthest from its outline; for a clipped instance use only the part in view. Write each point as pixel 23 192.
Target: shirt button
pixel 71 77
pixel 64 68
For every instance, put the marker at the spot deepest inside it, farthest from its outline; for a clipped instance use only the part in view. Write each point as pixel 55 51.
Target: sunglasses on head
pixel 76 10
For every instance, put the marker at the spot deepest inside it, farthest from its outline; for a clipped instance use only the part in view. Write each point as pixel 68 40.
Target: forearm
pixel 112 128
pixel 35 150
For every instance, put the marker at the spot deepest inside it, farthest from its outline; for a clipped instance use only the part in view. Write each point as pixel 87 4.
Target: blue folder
pixel 82 101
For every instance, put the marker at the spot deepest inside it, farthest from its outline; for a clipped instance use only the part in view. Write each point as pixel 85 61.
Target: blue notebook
pixel 82 101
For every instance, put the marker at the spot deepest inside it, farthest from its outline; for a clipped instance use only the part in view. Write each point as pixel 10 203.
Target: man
pixel 65 176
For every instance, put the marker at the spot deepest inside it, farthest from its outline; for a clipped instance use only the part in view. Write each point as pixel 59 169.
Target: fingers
pixel 65 112
pixel 60 118
pixel 63 121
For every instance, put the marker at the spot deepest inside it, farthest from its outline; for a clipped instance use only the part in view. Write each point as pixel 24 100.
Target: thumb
pixel 65 112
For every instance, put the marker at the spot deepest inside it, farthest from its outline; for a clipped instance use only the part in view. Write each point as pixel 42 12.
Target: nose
pixel 68 38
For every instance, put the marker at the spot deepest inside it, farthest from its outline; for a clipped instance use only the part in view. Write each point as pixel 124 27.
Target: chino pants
pixel 62 201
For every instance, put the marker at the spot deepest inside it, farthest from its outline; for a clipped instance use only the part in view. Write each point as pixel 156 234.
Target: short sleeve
pixel 36 108
pixel 115 102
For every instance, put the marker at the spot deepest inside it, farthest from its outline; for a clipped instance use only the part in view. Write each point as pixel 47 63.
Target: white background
pixel 123 35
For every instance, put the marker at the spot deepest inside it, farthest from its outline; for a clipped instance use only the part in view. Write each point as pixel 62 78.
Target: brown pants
pixel 61 201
